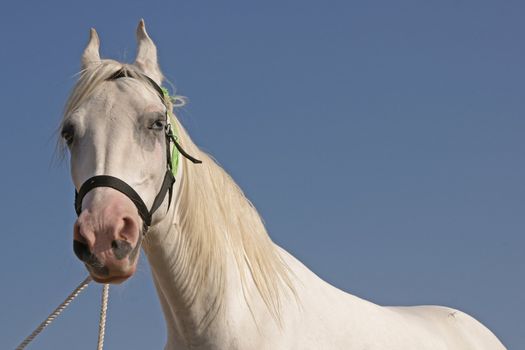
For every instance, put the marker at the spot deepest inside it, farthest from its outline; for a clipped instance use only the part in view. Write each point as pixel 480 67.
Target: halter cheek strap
pixel 121 186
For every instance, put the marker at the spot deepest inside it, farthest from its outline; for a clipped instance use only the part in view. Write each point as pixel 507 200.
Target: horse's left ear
pixel 91 54
pixel 147 54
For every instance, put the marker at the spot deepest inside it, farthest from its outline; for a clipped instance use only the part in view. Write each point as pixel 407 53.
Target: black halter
pixel 123 187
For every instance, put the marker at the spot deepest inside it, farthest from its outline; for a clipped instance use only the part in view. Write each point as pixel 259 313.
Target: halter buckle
pixel 169 133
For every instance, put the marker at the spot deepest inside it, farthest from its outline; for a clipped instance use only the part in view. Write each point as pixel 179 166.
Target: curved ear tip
pixel 141 28
pixel 93 33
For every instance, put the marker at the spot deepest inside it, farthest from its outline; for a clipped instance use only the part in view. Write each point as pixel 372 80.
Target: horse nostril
pixel 121 248
pixel 81 250
pixel 77 236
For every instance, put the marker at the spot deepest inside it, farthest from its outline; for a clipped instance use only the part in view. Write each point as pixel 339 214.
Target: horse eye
pixel 158 125
pixel 68 133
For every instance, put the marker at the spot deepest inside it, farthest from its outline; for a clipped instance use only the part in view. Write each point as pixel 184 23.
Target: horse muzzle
pixel 107 236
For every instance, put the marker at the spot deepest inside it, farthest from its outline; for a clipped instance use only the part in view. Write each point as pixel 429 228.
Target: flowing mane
pixel 215 218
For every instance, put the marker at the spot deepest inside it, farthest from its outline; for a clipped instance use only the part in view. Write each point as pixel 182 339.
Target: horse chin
pixel 113 278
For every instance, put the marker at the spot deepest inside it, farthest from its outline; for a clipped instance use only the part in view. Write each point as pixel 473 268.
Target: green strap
pixel 165 93
pixel 171 120
pixel 174 150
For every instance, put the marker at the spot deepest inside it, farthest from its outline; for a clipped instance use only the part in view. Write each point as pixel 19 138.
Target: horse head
pixel 117 129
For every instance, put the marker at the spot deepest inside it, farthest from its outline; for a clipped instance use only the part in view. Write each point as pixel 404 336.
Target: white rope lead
pixel 102 322
pixel 55 313
pixel 63 305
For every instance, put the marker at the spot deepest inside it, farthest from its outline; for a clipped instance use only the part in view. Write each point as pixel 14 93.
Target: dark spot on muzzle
pixel 82 252
pixel 121 248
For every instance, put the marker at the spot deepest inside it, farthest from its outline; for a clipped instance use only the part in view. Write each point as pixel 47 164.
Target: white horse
pixel 221 281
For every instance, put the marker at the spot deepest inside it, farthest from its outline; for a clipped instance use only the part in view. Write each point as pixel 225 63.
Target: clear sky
pixel 382 142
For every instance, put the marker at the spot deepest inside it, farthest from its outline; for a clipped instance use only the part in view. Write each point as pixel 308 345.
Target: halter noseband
pixel 123 187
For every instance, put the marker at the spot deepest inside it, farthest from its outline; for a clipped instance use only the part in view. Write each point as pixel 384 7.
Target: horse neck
pixel 202 299
pixel 184 313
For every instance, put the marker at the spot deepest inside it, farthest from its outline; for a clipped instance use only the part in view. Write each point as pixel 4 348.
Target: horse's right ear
pixel 91 54
pixel 147 54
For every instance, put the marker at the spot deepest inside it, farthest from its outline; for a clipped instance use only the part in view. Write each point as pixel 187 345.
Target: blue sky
pixel 381 141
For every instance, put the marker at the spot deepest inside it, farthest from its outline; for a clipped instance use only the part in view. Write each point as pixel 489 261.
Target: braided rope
pixel 55 313
pixel 64 304
pixel 103 311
